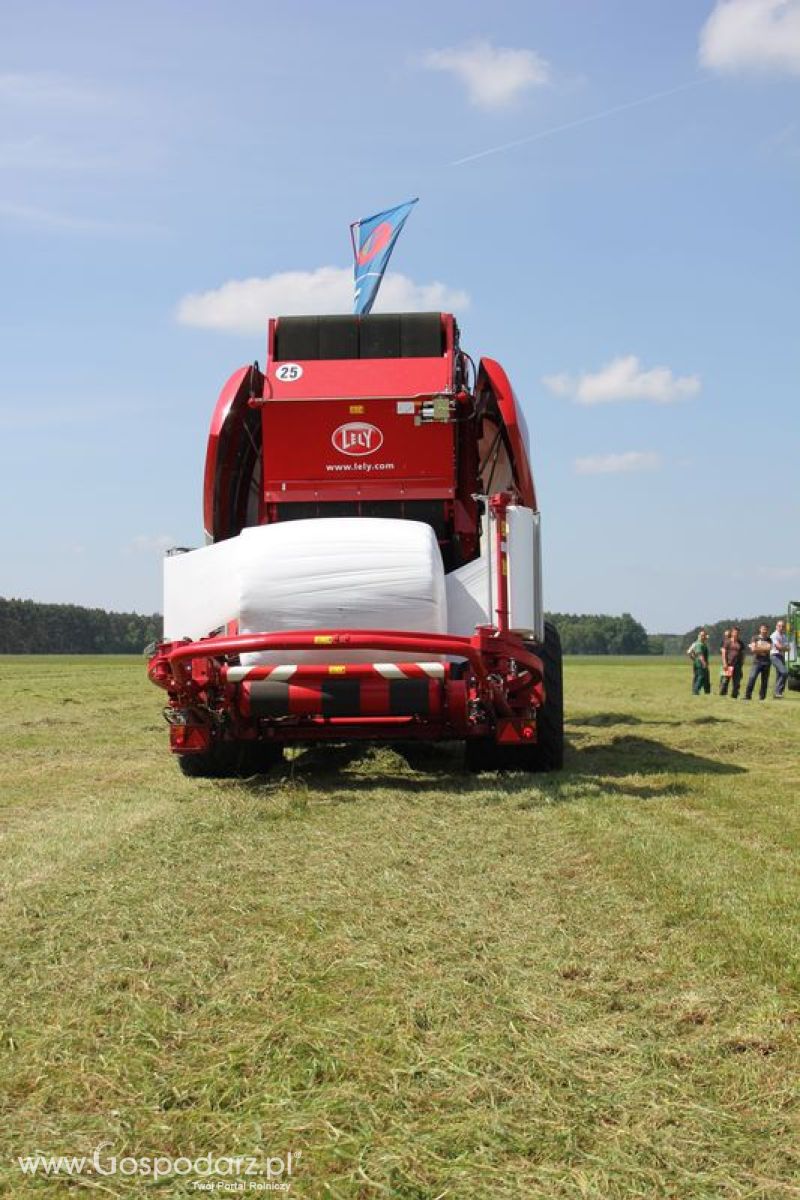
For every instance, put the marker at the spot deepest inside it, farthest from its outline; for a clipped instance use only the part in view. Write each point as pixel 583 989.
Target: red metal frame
pixel 499 507
pixel 501 688
pixel 228 413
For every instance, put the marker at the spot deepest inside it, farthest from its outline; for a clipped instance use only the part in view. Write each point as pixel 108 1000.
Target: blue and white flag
pixel 373 242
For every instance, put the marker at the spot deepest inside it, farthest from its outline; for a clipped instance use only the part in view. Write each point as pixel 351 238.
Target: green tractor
pixel 793 634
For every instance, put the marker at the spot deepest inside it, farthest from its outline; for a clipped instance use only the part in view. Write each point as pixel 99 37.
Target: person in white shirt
pixel 780 647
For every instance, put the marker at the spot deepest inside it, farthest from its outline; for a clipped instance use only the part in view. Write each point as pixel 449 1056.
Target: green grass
pixel 431 985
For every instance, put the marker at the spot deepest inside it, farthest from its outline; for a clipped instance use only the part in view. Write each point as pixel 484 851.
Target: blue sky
pixel 636 272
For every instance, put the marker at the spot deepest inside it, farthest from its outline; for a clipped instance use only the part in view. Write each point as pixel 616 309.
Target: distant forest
pixel 27 627
pixel 592 634
pixel 595 633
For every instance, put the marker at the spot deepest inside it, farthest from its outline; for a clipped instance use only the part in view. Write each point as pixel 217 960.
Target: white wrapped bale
pixel 341 573
pixel 330 573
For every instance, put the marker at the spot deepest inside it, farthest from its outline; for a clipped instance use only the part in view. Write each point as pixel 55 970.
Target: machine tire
pixel 231 760
pixel 208 765
pixel 256 758
pixel 793 683
pixel 547 754
pixel 481 754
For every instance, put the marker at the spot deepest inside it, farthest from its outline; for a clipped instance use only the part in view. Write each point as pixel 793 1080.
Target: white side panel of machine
pixel 469 589
pixel 526 614
pixel 201 590
pixel 468 597
pixel 341 573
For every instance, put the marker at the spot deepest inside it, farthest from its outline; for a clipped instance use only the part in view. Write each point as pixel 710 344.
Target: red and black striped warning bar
pixel 339 690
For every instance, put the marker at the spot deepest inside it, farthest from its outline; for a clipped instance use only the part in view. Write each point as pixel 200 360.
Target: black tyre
pixel 256 758
pixel 547 753
pixel 231 760
pixel 481 754
pixel 793 683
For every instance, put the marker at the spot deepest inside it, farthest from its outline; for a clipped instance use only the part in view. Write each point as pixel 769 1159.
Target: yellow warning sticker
pixel 337 670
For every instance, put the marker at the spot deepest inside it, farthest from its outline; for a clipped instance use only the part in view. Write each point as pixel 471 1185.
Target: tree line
pixel 592 633
pixel 28 627
pixel 598 633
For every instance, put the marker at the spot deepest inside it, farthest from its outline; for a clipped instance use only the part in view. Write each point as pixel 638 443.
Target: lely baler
pixel 372 568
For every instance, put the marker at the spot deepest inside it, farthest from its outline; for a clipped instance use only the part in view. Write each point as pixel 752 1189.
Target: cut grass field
pixel 428 984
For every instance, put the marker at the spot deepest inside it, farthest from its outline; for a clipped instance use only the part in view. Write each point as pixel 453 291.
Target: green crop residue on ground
pixel 428 984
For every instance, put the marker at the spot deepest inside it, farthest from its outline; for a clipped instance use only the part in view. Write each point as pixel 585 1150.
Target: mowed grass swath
pixel 428 983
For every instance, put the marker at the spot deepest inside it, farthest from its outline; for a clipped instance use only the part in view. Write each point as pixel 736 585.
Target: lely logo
pixel 357 438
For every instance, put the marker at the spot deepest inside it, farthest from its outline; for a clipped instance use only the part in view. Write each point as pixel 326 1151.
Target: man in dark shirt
pixel 732 663
pixel 760 647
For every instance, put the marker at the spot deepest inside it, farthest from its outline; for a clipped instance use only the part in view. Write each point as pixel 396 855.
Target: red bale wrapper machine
pixel 372 568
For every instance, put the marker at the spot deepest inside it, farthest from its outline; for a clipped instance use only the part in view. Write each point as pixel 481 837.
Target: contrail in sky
pixel 546 133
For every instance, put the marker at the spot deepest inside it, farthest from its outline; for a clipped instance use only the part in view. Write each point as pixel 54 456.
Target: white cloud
pixel 615 464
pixel 243 305
pixel 493 75
pixel 762 35
pixel 624 379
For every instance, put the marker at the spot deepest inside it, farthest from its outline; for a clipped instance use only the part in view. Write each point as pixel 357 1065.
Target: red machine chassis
pixel 493 691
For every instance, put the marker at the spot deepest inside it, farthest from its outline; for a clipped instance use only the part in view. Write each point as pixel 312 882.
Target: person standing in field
pixel 780 648
pixel 760 648
pixel 724 673
pixel 698 652
pixel 733 659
